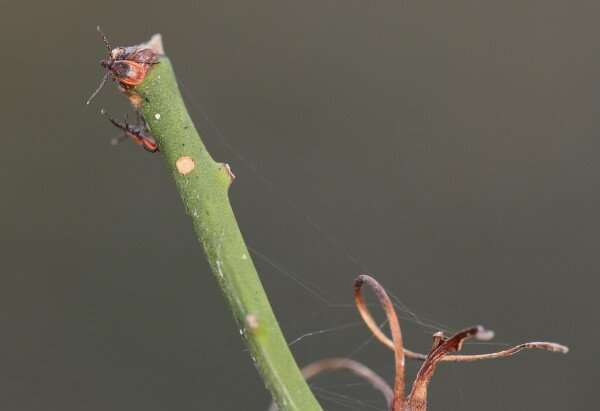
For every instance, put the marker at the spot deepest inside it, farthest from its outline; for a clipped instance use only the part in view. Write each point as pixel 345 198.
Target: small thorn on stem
pixel 228 172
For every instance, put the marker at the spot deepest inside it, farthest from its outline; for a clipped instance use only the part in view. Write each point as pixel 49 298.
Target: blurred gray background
pixel 449 148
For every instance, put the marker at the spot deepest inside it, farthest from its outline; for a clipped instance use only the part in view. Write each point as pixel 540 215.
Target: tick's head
pixel 116 60
pixel 116 54
pixel 106 63
pixel 118 68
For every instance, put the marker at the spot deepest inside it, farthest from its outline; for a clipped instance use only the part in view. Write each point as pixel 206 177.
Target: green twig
pixel 203 185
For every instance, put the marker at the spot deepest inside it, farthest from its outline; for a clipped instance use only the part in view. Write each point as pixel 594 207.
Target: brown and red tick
pixel 126 65
pixel 138 133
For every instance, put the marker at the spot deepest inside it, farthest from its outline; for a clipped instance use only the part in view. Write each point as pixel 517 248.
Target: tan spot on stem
pixel 251 322
pixel 185 165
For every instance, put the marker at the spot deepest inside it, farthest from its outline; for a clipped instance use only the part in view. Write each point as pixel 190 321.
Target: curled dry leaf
pixel 441 348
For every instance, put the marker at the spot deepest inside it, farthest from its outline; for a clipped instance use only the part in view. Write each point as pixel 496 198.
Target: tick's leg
pixel 141 121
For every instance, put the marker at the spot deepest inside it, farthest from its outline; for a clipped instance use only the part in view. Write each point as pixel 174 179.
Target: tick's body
pixel 127 66
pixel 138 133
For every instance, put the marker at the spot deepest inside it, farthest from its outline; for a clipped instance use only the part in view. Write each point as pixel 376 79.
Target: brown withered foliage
pixel 416 400
pixel 441 350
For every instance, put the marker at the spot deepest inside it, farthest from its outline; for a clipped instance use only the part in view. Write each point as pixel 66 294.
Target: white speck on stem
pixel 244 257
pixel 219 268
pixel 157 116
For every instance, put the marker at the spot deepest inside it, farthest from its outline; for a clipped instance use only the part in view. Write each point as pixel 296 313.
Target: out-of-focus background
pixel 448 148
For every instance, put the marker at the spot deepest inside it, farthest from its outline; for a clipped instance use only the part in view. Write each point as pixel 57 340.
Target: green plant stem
pixel 204 192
